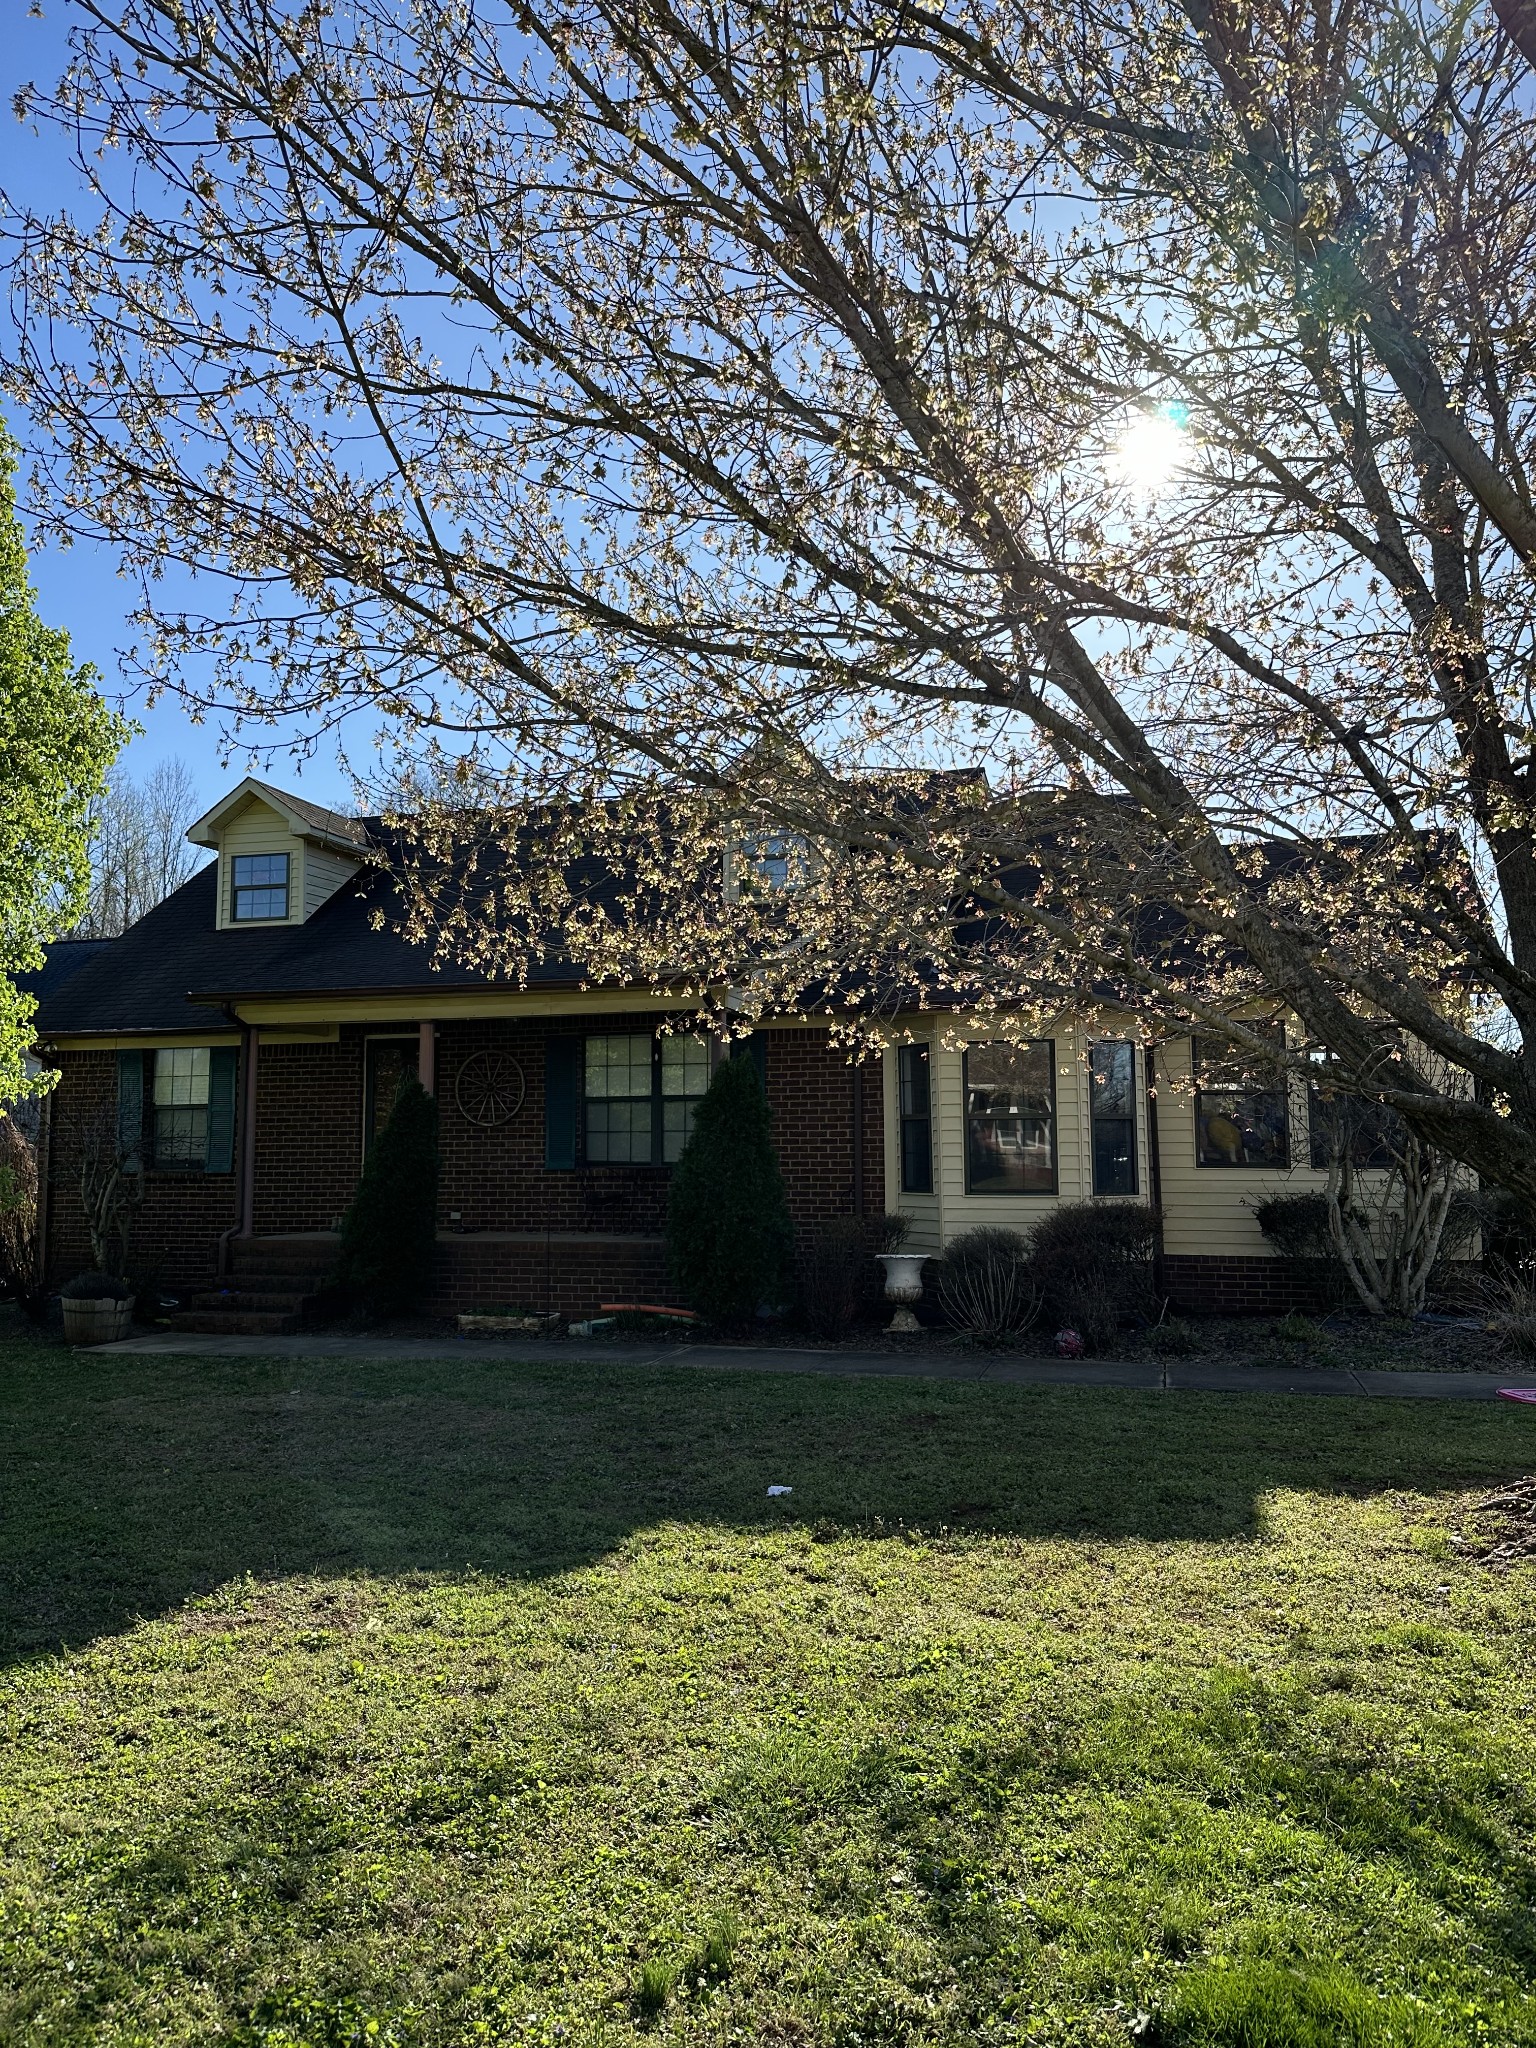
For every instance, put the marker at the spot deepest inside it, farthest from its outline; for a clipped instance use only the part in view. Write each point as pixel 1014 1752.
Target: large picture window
pixel 1010 1119
pixel 1112 1111
pixel 179 1132
pixel 912 1072
pixel 259 886
pixel 640 1093
pixel 1240 1110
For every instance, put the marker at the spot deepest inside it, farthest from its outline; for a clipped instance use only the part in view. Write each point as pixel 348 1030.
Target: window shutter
pixel 562 1101
pixel 130 1105
pixel 223 1064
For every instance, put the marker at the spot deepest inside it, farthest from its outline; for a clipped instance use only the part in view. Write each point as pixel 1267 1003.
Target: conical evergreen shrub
pixel 729 1237
pixel 389 1234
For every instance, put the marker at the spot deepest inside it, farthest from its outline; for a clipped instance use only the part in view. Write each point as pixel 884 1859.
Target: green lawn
pixel 455 1704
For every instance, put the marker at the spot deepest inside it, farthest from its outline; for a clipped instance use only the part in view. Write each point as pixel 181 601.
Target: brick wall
pixel 309 1113
pixel 569 1272
pixel 175 1230
pixel 1235 1286
pixel 309 1132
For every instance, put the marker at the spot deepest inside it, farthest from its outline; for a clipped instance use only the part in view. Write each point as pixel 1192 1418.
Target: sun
pixel 1152 449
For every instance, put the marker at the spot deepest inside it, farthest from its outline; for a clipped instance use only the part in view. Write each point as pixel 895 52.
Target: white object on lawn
pixel 775 1491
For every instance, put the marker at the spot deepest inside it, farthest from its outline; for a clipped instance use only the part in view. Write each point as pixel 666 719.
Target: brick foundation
pixel 1235 1286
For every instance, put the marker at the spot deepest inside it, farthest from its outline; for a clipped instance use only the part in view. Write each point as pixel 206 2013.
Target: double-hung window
pixel 1112 1111
pixel 912 1072
pixel 1241 1117
pixel 640 1093
pixel 1010 1119
pixel 180 1107
pixel 259 886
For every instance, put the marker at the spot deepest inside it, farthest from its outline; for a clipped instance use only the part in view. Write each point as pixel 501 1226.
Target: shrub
pixel 840 1277
pixel 1298 1329
pixel 389 1233
pixel 96 1286
pixel 1092 1262
pixel 891 1232
pixel 1174 1339
pixel 985 1286
pixel 729 1239
pixel 1297 1226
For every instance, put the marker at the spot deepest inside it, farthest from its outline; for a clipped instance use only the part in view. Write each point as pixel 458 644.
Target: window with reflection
pixel 1010 1118
pixel 1241 1118
pixel 769 863
pixel 180 1128
pixel 912 1074
pixel 640 1096
pixel 1112 1113
pixel 260 886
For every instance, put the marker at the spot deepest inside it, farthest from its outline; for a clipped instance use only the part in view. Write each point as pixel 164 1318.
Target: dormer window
pixel 259 887
pixel 772 863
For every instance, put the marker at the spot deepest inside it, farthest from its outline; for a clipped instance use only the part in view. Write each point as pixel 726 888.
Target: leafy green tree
pixel 389 1233
pixel 729 1237
pixel 57 741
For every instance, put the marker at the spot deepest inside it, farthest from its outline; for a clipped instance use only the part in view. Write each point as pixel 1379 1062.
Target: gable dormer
pixel 280 857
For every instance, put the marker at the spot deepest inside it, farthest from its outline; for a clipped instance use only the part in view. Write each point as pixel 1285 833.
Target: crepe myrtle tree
pixel 689 426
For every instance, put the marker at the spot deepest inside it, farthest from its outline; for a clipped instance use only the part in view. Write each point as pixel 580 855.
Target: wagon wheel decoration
pixel 489 1089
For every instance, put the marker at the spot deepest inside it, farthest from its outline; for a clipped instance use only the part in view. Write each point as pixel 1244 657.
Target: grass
pixel 451 1703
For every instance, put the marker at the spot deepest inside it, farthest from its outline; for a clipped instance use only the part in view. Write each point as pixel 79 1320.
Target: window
pixel 1240 1111
pixel 772 862
pixel 1367 1131
pixel 1010 1119
pixel 916 1120
pixel 640 1094
pixel 259 886
pixel 1112 1109
pixel 180 1130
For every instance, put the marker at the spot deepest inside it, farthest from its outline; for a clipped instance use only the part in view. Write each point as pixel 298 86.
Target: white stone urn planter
pixel 97 1322
pixel 904 1286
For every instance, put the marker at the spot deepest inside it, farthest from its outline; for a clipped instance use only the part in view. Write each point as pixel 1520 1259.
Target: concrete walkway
pixel 1170 1377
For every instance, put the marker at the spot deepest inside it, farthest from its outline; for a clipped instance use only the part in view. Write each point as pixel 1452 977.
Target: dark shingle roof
pixel 145 980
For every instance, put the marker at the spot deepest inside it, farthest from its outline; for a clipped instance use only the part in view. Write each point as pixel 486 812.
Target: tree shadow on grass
pixel 134 1483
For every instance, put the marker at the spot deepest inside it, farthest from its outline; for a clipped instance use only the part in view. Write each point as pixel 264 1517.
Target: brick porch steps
pixel 273 1288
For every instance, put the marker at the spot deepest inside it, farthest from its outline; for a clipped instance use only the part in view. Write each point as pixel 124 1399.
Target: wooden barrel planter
pixel 97 1322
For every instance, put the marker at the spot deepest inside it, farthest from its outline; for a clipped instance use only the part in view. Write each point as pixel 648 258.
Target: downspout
pixel 245 1148
pixel 858 1138
pixel 44 1203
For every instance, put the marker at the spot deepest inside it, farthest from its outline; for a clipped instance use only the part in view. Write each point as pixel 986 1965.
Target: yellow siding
pixel 324 874
pixel 314 874
pixel 257 828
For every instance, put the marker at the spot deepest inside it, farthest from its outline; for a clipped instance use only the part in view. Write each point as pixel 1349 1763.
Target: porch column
pixel 426 1058
pixel 248 1132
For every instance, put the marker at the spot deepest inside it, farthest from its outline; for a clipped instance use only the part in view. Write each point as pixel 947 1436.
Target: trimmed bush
pixel 839 1276
pixel 96 1287
pixel 389 1233
pixel 1092 1262
pixel 1297 1226
pixel 985 1286
pixel 729 1240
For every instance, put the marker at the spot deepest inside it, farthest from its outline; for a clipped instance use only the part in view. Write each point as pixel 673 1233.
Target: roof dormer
pixel 280 858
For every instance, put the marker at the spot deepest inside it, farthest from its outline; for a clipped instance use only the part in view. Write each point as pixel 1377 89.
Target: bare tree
pixel 710 409
pixel 139 849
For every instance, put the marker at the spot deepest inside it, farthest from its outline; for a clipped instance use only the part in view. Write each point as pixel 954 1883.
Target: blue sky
pixel 79 588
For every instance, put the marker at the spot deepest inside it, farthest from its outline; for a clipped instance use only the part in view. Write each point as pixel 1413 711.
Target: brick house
pixel 245 1038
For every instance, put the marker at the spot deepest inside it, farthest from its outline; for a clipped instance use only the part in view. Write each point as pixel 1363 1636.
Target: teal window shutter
pixel 130 1104
pixel 223 1066
pixel 562 1101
